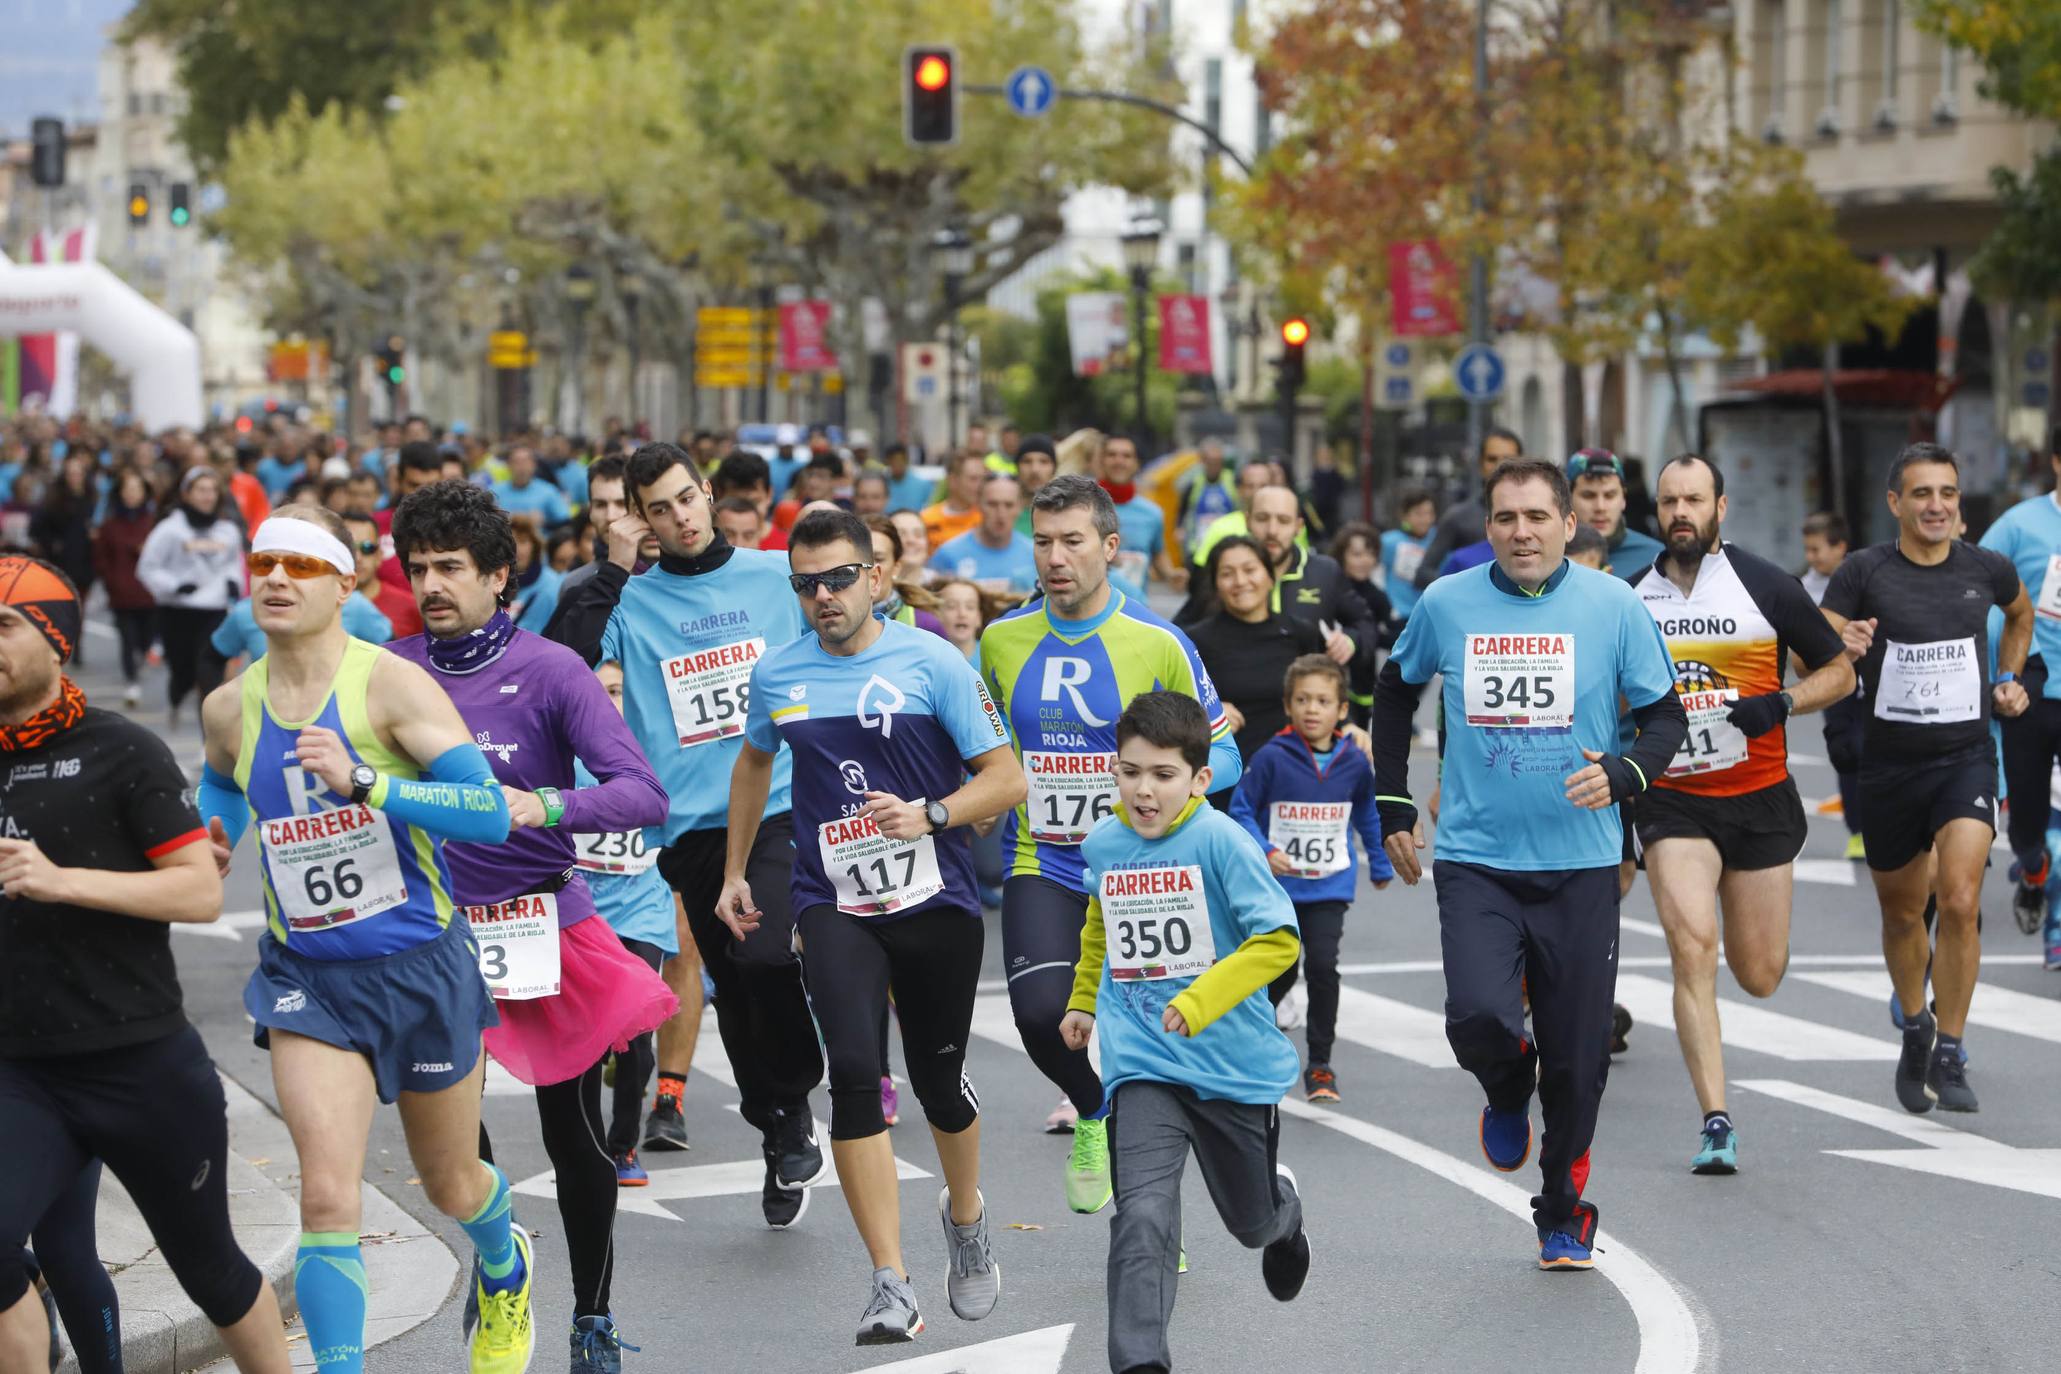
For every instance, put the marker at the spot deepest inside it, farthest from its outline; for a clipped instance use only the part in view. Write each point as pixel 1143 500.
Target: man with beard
pixel 1724 823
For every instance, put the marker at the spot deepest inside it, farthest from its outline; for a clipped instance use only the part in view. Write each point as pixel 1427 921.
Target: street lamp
pixel 579 294
pixel 951 251
pixel 630 287
pixel 1141 255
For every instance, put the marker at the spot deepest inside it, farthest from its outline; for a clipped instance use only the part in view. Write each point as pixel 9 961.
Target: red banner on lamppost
pixel 1421 285
pixel 1184 334
pixel 805 337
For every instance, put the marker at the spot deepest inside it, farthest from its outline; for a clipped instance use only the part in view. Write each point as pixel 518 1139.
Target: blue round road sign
pixel 1031 91
pixel 1479 372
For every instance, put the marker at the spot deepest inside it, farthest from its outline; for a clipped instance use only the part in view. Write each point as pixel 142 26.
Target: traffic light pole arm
pixel 1142 102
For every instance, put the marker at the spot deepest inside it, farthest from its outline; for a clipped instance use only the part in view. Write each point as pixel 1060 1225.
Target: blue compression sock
pixel 329 1283
pixel 500 1263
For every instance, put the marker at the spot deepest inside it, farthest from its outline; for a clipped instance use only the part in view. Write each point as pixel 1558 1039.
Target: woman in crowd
pixel 962 608
pixel 915 546
pixel 1246 644
pixel 117 548
pixel 193 565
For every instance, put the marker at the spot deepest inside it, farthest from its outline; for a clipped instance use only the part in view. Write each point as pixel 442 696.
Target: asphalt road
pixel 1855 1238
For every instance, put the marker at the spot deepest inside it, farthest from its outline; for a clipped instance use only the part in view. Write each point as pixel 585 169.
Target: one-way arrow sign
pixel 1033 1352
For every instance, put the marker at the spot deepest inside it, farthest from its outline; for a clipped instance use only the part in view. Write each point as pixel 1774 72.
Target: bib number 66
pixel 333 883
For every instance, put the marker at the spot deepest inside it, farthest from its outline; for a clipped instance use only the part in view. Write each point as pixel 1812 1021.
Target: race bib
pixel 518 946
pixel 1069 793
pixel 1408 558
pixel 872 874
pixel 2050 590
pixel 710 689
pixel 1156 923
pixel 622 854
pixel 1519 681
pixel 1713 742
pixel 1312 835
pixel 1132 565
pixel 331 868
pixel 1939 683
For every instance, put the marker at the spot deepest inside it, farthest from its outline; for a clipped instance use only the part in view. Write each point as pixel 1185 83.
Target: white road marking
pixel 1638 927
pixel 1749 1027
pixel 744 1176
pixel 1872 958
pixel 1388 1026
pixel 1033 1352
pixel 1835 872
pixel 1948 1153
pixel 1994 1008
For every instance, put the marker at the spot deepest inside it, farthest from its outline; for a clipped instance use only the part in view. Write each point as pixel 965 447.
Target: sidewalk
pixel 410 1270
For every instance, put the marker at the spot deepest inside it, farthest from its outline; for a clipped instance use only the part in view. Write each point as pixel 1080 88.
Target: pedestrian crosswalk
pixel 1994 1008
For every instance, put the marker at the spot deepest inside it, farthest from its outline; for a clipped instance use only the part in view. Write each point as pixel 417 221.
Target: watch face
pixel 363 776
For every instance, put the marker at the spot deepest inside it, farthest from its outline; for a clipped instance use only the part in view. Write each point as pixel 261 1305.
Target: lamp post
pixel 952 252
pixel 630 287
pixel 1141 255
pixel 579 294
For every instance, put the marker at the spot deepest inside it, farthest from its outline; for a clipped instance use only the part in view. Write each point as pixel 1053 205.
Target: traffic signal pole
pixel 1477 284
pixel 1143 103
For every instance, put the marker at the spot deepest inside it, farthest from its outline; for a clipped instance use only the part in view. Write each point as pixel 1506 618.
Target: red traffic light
pixel 1295 332
pixel 932 72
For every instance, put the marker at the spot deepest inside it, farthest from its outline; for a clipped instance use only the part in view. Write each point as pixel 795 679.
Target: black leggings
pixel 191 664
pixel 1322 925
pixel 70 1262
pixel 1041 944
pixel 633 1068
pixel 570 1116
pixel 932 960
pixel 157 1115
pixel 137 626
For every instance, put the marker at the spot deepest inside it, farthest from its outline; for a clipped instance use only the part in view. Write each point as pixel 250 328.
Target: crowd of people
pixel 540 746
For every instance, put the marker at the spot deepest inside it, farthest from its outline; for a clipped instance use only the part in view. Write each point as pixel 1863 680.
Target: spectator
pixel 193 565
pixel 117 547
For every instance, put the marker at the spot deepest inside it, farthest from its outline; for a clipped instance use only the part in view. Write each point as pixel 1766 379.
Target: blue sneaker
pixel 2050 937
pixel 1506 1138
pixel 597 1347
pixel 628 1172
pixel 1560 1250
pixel 1720 1152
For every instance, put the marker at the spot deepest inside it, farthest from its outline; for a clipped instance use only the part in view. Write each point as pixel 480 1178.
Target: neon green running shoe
pixel 505 1338
pixel 1087 1170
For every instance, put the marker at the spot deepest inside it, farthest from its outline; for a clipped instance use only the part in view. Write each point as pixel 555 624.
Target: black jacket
pixel 1315 588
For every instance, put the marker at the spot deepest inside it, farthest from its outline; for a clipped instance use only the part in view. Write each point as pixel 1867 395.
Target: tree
pixel 1041 391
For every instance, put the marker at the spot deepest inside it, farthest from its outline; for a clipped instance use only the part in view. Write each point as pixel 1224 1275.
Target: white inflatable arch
pixel 160 356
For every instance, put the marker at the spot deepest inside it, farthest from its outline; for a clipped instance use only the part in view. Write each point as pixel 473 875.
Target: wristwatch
pixel 939 818
pixel 363 778
pixel 1788 703
pixel 554 805
pixel 2003 678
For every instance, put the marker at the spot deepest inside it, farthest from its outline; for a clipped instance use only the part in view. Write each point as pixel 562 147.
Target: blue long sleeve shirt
pixel 1300 802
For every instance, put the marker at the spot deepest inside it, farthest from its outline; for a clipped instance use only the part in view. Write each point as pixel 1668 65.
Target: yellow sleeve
pixel 1232 979
pixel 1087 975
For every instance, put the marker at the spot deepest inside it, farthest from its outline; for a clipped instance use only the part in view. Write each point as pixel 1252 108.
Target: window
pixel 1835 22
pixel 1770 67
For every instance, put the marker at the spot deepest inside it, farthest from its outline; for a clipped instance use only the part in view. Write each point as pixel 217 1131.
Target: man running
pixel 357 770
pixel 1462 523
pixel 1596 476
pixel 1063 668
pixel 1725 823
pixel 687 633
pixel 1915 613
pixel 883 721
pixel 1535 653
pixel 567 990
pixel 103 852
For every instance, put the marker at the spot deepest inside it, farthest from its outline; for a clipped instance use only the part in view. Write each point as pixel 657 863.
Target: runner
pixel 367 990
pixel 1063 668
pixel 1915 613
pixel 1724 823
pixel 567 990
pixel 1597 480
pixel 1462 523
pixel 1535 653
pixel 687 633
pixel 883 721
pixel 103 852
pixel 1846 722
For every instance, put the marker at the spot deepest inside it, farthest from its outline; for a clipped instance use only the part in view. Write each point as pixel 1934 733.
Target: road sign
pixel 923 371
pixel 1031 91
pixel 509 349
pixel 2037 394
pixel 1398 391
pixel 1396 355
pixel 1479 372
pixel 2035 360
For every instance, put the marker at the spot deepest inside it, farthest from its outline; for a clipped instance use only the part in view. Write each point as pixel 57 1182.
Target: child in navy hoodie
pixel 1302 792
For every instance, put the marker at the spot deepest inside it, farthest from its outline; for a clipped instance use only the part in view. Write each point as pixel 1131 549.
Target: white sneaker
pixel 1294 1008
pixel 1062 1119
pixel 132 696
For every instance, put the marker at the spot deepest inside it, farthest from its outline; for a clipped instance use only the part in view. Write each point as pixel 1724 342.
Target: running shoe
pixel 2029 896
pixel 783 1207
pixel 1947 1081
pixel 890 1101
pixel 1720 1152
pixel 1506 1138
pixel 1856 849
pixel 1561 1251
pixel 793 1139
pixel 132 696
pixel 2050 936
pixel 628 1172
pixel 1087 1170
pixel 1294 1008
pixel 1913 1066
pixel 666 1127
pixel 597 1347
pixel 1062 1119
pixel 1620 1027
pixel 1285 1263
pixel 505 1338
pixel 1319 1084
pixel 890 1316
pixel 973 1283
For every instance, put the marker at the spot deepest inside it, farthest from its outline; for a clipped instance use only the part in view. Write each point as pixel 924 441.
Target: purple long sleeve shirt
pixel 532 711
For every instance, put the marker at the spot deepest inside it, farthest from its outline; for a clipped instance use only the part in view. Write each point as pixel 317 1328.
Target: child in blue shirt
pixel 1303 791
pixel 1185 929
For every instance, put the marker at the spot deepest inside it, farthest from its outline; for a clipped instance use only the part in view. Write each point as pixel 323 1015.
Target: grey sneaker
pixel 891 1316
pixel 974 1283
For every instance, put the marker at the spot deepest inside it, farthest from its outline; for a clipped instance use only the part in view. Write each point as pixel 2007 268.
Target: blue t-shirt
pixel 1012 566
pixel 277 474
pixel 622 876
pixel 238 634
pixel 1242 1056
pixel 535 603
pixel 687 646
pixel 1401 554
pixel 1531 681
pixel 571 478
pixel 909 492
pixel 901 716
pixel 1141 531
pixel 2029 534
pixel 540 497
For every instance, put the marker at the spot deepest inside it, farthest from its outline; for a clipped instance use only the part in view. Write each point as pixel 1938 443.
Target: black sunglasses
pixel 837 579
pixel 368 546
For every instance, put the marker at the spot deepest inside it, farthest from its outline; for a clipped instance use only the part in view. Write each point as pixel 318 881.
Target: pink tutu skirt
pixel 606 998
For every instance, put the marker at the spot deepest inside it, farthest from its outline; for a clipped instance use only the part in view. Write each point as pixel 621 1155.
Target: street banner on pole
pixel 1095 329
pixel 805 337
pixel 1421 286
pixel 1184 334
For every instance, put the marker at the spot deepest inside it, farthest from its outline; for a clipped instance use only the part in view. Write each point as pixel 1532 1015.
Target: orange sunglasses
pixel 299 566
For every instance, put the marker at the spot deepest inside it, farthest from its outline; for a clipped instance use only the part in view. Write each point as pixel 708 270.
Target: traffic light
pixel 1295 332
pixel 393 361
pixel 181 213
pixel 46 161
pixel 930 96
pixel 139 204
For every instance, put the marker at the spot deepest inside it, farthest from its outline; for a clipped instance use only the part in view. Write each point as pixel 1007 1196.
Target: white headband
pixel 287 535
